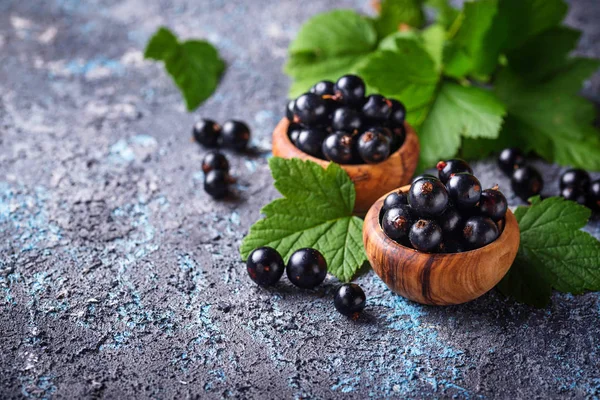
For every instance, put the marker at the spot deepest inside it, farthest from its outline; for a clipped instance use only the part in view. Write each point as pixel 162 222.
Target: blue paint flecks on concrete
pixel 82 67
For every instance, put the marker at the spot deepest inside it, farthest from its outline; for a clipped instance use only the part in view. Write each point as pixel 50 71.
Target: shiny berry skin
pixel 311 110
pixel 377 108
pixel 350 89
pixel 428 197
pixel 373 146
pixel 213 160
pixel 575 178
pixel 265 266
pixel 479 231
pixel 526 182
pixel 425 235
pixel 394 199
pixel 323 88
pixel 397 221
pixel 293 132
pixel 398 114
pixel 350 300
pixel 310 141
pixel 451 221
pixel 306 268
pixel 493 204
pixel 398 137
pixel 454 166
pixel 594 195
pixel 235 135
pixel 346 119
pixel 216 183
pixel 464 190
pixel 574 194
pixel 289 110
pixel 207 132
pixel 424 176
pixel 338 147
pixel 511 159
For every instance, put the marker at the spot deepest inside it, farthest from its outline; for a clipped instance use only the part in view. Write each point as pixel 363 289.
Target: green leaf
pixel 328 46
pixel 194 65
pixel 458 111
pixel 554 252
pixel 434 37
pixel 393 13
pixel 316 211
pixel 446 14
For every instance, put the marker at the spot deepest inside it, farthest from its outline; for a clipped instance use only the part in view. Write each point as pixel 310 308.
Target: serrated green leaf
pixel 434 37
pixel 194 65
pixel 554 252
pixel 316 212
pixel 457 112
pixel 393 13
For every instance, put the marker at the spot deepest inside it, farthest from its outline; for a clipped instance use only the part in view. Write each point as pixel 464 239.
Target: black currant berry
pixel 397 221
pixel 377 108
pixel 310 141
pixel 398 137
pixel 594 195
pixel 526 182
pixel 265 266
pixel 428 197
pixel 339 148
pixel 289 110
pixel 346 119
pixel 394 199
pixel 350 300
pixel 207 132
pixel 451 246
pixel 479 231
pixel 447 168
pixel 398 114
pixel 350 89
pixel 451 221
pixel 464 189
pixel 511 159
pixel 216 183
pixel 323 88
pixel 425 235
pixel 574 194
pixel 493 204
pixel 306 268
pixel 214 160
pixel 236 135
pixel 311 110
pixel 575 178
pixel 373 146
pixel 293 132
pixel 424 176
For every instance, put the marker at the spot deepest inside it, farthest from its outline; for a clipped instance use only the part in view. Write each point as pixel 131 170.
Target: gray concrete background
pixel 120 278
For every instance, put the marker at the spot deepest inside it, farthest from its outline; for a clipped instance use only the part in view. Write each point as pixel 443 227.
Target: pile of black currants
pixel 336 122
pixel 525 180
pixel 445 214
pixel 576 185
pixel 306 269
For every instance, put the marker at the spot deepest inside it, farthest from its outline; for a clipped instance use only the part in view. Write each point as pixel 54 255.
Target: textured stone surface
pixel 120 278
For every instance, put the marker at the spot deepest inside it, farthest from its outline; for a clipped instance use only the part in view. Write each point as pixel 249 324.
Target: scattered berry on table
pixel 310 141
pixel 428 197
pixel 511 159
pixel 350 300
pixel 479 231
pixel 216 183
pixel 265 266
pixel 594 195
pixel 350 89
pixel 464 190
pixel 374 145
pixel 377 108
pixel 575 178
pixel 310 109
pixel 339 147
pixel 447 168
pixel 235 135
pixel 306 268
pixel 425 235
pixel 574 194
pixel 323 88
pixel 397 222
pixel 207 132
pixel 526 182
pixel 213 160
pixel 493 204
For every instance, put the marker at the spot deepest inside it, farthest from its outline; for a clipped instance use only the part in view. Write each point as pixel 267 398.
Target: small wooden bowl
pixel 439 279
pixel 370 180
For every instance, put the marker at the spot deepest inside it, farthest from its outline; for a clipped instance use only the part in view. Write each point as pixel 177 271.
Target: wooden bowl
pixel 370 180
pixel 439 279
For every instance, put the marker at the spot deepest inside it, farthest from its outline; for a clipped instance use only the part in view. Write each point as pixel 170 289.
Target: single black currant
pixel 207 132
pixel 511 159
pixel 526 182
pixel 397 221
pixel 428 197
pixel 289 110
pixel 294 131
pixel 594 195
pixel 425 235
pixel 451 246
pixel 394 199
pixel 493 204
pixel 574 194
pixel 265 266
pixel 323 88
pixel 306 268
pixel 424 176
pixel 213 160
pixel 236 135
pixel 311 110
pixel 447 168
pixel 479 231
pixel 350 300
pixel 350 89
pixel 377 108
pixel 373 146
pixel 310 141
pixel 216 183
pixel 346 119
pixel 464 189
pixel 398 114
pixel 451 221
pixel 339 148
pixel 398 137
pixel 575 178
